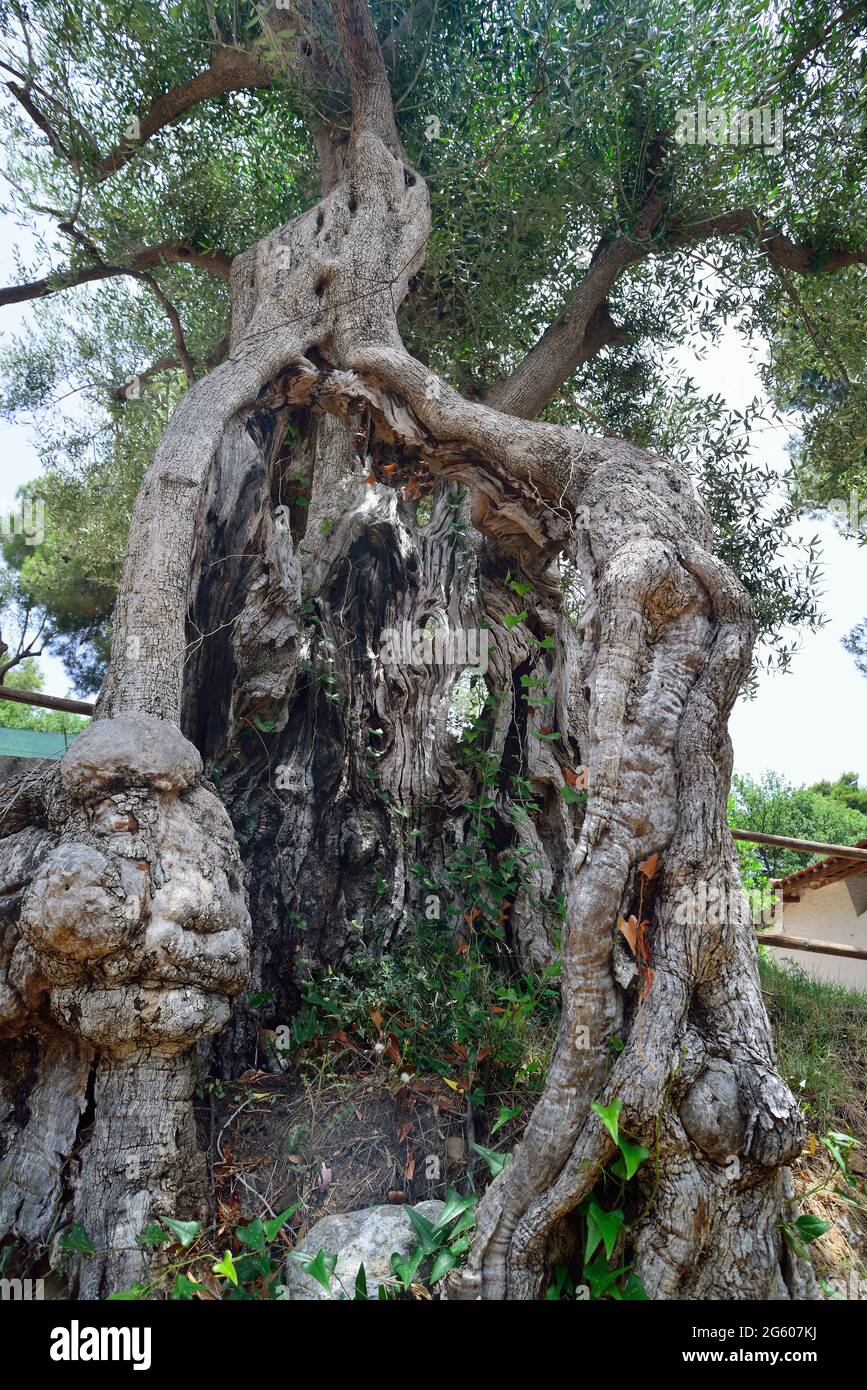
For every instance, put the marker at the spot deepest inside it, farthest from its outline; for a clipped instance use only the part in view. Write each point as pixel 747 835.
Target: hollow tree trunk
pixel 276 549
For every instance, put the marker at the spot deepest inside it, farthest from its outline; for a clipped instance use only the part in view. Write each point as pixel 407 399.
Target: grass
pixel 820 1030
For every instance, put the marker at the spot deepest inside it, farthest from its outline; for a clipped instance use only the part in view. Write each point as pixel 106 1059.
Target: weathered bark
pixel 258 624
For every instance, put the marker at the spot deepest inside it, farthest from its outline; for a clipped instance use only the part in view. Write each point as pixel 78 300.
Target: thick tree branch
pixel 584 326
pixel 580 330
pixel 372 106
pixel 165 253
pixel 805 258
pixel 229 70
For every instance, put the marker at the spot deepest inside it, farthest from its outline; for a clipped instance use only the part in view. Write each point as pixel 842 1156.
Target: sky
pixel 807 725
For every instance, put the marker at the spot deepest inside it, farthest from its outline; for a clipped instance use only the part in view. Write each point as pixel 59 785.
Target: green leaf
pixel 633 1291
pixel 633 1156
pixel 444 1261
pixel 226 1267
pixel 77 1239
pixel 185 1288
pixel 135 1291
pixel 154 1235
pixel 511 620
pixel 504 1116
pixel 186 1231
pixel 571 796
pixel 406 1269
pixel 319 1266
pixel 253 1235
pixel 610 1116
pixel 604 1226
pixel 456 1204
pixel 599 1278
pixel 273 1227
pixel 361 1293
pixel 811 1227
pixel 424 1229
pixel 496 1162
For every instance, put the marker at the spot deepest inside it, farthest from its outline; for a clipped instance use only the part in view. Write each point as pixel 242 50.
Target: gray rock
pixel 367 1237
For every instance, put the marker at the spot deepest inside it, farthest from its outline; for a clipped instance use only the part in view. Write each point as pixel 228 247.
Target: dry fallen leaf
pixel 630 931
pixel 648 867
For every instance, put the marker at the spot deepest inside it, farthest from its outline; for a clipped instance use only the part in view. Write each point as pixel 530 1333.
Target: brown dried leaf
pixel 630 931
pixel 649 866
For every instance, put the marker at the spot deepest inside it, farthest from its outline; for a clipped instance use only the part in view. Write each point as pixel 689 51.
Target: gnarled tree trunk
pixel 275 550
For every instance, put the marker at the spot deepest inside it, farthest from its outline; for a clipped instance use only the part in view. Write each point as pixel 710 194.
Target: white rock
pixel 367 1237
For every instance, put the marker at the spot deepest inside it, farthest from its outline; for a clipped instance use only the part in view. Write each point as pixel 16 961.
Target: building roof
pixel 831 869
pixel 29 743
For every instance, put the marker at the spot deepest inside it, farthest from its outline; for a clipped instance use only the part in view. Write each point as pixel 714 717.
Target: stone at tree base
pixel 368 1237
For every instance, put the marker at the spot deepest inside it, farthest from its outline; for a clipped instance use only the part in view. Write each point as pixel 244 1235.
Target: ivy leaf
pixel 361 1293
pixel 811 1227
pixel 319 1266
pixel 135 1291
pixel 154 1235
pixel 610 1116
pixel 496 1162
pixel 504 1116
pixel 226 1267
pixel 273 1227
pixel 444 1261
pixel 406 1269
pixel 253 1235
pixel 573 798
pixel 184 1288
pixel 633 1156
pixel 424 1229
pixel 599 1277
pixel 633 1291
pixel 456 1204
pixel 602 1226
pixel 511 620
pixel 78 1239
pixel 186 1231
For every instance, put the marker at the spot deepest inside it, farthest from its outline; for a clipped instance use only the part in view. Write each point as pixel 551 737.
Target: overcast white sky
pixel 807 725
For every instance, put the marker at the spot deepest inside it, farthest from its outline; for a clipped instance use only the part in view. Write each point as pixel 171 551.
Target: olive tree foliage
pixel 455 249
pixel 142 207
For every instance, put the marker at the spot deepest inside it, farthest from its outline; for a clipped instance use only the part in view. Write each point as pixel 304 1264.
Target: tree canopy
pixel 152 142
